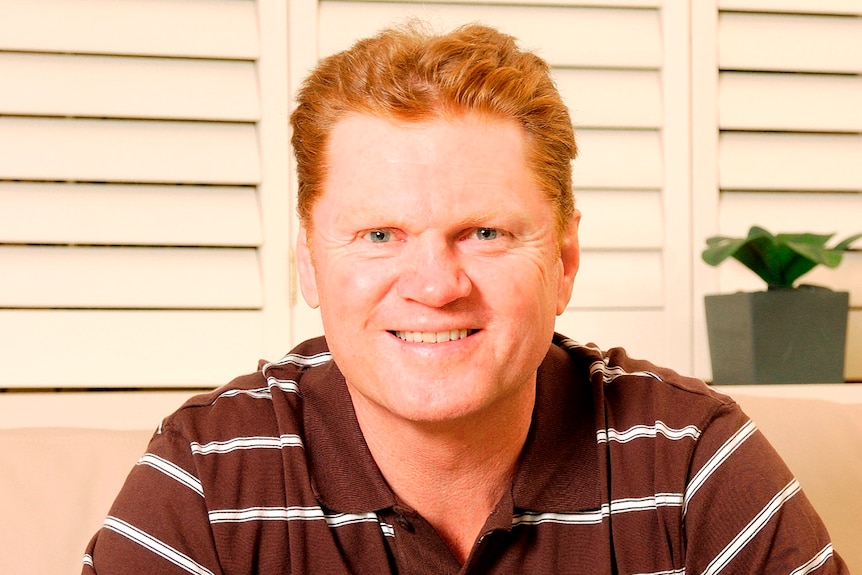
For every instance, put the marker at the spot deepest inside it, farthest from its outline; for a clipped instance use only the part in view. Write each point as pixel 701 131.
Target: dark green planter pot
pixel 778 336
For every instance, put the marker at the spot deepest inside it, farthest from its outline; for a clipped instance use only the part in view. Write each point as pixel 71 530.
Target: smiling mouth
pixel 433 336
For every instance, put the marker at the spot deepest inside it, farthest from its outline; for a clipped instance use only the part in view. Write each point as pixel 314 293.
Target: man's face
pixel 434 260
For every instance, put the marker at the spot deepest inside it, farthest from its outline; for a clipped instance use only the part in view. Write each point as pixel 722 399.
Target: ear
pixel 570 256
pixel 305 267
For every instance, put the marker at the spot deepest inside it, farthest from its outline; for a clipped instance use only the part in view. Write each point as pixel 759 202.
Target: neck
pixel 455 472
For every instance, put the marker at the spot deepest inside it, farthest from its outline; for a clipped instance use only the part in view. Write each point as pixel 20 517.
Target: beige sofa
pixel 56 484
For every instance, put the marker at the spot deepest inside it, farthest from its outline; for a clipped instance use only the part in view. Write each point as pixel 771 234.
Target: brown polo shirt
pixel 628 468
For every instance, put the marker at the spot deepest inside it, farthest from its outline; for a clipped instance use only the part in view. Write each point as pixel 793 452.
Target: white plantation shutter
pixel 610 60
pixel 788 136
pixel 146 190
pixel 134 135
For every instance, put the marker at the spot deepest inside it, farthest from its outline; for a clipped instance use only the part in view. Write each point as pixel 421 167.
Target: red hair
pixel 409 75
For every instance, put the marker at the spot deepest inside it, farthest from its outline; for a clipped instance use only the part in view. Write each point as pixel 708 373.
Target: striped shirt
pixel 628 468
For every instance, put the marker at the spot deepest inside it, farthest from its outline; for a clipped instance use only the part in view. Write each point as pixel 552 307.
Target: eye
pixel 379 236
pixel 486 233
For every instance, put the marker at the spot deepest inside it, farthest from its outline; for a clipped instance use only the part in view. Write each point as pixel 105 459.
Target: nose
pixel 432 273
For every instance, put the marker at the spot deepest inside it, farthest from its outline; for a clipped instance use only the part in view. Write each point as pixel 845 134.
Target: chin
pixel 449 408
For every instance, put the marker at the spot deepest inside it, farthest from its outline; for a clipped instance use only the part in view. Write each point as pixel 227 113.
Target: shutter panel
pixel 789 144
pixel 131 236
pixel 601 53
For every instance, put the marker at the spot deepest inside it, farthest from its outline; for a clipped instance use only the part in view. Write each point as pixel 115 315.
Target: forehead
pixel 427 141
pixel 444 154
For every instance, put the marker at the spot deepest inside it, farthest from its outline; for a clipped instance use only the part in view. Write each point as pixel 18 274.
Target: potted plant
pixel 788 333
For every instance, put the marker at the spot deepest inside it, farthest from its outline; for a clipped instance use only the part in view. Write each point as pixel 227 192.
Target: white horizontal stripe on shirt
pixel 173 471
pixel 611 373
pixel 287 440
pixel 294 359
pixel 637 431
pixel 569 343
pixel 258 393
pixel 579 518
pixel 158 547
pixel 302 360
pixel 645 503
pixel 341 519
pixel 286 385
pixel 608 373
pixel 265 514
pixel 292 514
pixel 595 516
pixel 671 572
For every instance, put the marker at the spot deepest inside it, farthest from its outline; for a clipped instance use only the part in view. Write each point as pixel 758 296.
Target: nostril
pixel 434 289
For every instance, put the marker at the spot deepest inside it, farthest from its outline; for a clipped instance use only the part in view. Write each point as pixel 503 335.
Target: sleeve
pixel 743 510
pixel 158 523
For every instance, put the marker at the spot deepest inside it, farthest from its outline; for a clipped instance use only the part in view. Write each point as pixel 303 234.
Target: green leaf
pixel 809 239
pixel 816 253
pixel 761 255
pixel 777 259
pixel 843 246
pixel 720 248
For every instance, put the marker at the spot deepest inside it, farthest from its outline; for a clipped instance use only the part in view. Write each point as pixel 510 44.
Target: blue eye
pixel 379 236
pixel 486 233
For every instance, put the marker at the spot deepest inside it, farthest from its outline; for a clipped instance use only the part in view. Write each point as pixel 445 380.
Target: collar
pixel 558 470
pixel 344 476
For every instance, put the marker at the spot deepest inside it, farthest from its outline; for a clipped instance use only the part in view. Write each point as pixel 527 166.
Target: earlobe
pixel 570 256
pixel 305 269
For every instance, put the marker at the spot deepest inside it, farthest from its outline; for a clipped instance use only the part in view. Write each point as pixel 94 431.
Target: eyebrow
pixel 376 217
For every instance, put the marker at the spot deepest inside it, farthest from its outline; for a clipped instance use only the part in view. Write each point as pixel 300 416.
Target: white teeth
pixel 432 337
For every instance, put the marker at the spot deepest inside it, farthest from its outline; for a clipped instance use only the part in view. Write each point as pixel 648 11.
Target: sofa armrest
pixel 56 486
pixel 821 442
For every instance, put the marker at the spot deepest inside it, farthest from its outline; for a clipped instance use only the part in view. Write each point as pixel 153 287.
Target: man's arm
pixel 744 512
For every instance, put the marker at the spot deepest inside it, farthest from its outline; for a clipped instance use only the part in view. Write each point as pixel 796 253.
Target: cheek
pixel 518 290
pixel 352 284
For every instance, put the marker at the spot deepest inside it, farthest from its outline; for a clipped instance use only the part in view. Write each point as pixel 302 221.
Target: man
pixel 442 426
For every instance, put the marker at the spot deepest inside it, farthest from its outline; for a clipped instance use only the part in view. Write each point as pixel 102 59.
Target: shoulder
pixel 260 402
pixel 634 391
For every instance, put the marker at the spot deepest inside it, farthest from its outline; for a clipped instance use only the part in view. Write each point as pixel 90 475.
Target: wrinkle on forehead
pixel 387 172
